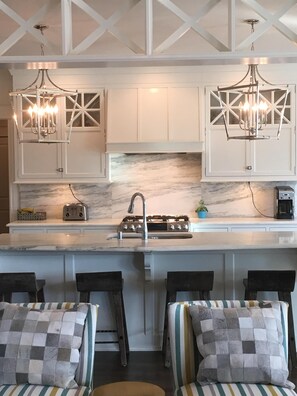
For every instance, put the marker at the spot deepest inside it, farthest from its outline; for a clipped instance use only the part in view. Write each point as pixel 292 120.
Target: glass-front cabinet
pixel 267 159
pixel 81 160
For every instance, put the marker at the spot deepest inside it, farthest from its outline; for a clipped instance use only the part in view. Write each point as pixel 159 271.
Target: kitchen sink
pixel 152 235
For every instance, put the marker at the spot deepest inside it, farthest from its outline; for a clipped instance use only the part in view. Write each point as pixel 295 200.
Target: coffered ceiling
pixel 145 32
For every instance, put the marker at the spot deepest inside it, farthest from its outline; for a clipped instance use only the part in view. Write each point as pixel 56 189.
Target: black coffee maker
pixel 284 202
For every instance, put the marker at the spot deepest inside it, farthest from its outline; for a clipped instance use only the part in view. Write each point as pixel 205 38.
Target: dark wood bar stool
pixel 184 281
pixel 110 282
pixel 282 282
pixel 21 282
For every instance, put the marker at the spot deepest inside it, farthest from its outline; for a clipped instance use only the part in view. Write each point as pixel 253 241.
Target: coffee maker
pixel 284 202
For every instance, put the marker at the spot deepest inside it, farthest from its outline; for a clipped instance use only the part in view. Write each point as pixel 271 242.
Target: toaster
pixel 75 211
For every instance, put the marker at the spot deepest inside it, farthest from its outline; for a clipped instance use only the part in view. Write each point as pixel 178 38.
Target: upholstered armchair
pixel 188 364
pixel 51 351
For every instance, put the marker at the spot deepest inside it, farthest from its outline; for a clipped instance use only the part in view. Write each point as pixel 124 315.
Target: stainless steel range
pixel 160 223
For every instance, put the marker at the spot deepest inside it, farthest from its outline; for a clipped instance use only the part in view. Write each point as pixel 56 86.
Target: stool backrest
pixel 17 282
pixel 281 281
pixel 189 281
pixel 99 281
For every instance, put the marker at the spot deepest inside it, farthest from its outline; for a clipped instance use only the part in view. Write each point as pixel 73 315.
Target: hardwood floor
pixel 142 366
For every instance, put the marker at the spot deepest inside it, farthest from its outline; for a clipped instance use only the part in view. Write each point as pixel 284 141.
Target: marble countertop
pixel 103 242
pixel 115 222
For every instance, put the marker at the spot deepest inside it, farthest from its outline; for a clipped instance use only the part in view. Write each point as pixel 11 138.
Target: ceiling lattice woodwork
pixel 148 31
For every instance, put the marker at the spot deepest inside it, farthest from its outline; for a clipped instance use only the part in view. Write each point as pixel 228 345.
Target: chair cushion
pixel 39 346
pixel 195 389
pixel 242 345
pixel 37 390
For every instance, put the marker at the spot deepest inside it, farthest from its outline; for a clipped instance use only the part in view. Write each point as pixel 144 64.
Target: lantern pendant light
pixel 251 100
pixel 36 109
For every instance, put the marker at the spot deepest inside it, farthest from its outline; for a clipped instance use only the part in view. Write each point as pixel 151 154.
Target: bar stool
pixel 110 282
pixel 282 282
pixel 21 282
pixel 184 281
pixel 128 388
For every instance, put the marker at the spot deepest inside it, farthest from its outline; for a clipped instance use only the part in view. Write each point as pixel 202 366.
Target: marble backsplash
pixel 171 184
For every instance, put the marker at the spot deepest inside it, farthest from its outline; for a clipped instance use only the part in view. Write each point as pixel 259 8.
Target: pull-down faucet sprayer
pixel 131 208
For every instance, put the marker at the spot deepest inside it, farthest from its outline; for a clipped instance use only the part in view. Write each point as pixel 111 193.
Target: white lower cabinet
pixel 230 227
pixel 72 228
pixel 27 230
pixel 198 228
pixel 247 228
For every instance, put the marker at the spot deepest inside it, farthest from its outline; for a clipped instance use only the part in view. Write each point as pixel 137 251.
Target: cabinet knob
pixel 249 167
pixel 59 170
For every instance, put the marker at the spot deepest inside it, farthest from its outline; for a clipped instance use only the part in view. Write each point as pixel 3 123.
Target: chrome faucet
pixel 131 208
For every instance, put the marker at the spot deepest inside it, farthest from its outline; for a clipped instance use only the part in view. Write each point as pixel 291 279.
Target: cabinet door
pixel 122 115
pixel 153 114
pixel 84 158
pixel 27 230
pixel 198 228
pixel 36 161
pixel 248 228
pixel 226 158
pixel 183 114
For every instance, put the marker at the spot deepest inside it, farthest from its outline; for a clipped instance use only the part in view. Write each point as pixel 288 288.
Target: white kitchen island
pixel 57 257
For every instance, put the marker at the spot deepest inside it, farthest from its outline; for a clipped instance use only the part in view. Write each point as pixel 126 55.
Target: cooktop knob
pixel 132 227
pixel 178 227
pixel 171 227
pixel 125 227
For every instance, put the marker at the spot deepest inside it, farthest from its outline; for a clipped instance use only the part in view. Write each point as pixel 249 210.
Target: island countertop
pixel 104 242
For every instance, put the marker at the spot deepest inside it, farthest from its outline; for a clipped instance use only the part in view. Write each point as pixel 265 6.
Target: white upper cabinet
pixel 240 160
pixel 153 119
pixel 83 160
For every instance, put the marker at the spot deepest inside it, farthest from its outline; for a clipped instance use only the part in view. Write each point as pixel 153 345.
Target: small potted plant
pixel 201 209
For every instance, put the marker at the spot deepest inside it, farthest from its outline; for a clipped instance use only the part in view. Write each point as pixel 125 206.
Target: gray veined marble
pixel 171 184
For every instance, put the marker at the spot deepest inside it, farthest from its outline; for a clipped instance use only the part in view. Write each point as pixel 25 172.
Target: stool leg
pixel 118 303
pixel 165 328
pixel 40 295
pixel 7 297
pixel 250 295
pixel 171 297
pixel 33 297
pixel 125 325
pixel 84 297
pixel 286 296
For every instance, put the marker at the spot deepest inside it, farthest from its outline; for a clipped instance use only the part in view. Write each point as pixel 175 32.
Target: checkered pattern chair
pixel 184 355
pixel 84 372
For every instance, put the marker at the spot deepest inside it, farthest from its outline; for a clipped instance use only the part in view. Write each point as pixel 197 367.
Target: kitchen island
pixel 57 257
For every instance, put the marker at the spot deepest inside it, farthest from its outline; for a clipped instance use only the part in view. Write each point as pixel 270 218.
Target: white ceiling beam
pixel 66 13
pixel 231 25
pixel 148 27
